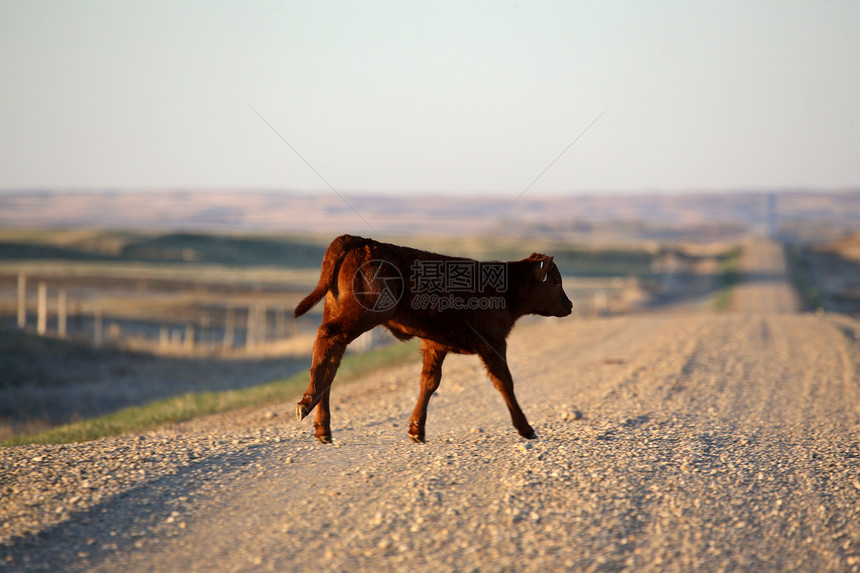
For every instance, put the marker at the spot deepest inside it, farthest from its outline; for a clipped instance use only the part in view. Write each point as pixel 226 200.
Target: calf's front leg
pixel 497 368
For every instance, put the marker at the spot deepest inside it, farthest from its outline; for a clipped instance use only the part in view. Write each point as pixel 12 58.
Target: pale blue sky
pixel 430 96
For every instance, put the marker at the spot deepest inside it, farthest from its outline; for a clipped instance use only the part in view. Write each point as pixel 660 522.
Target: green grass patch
pixel 731 276
pixel 192 405
pixel 804 278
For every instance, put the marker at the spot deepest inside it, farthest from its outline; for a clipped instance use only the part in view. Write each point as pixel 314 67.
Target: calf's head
pixel 547 297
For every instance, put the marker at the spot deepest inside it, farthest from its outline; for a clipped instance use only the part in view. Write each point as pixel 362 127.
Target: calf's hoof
pixel 416 438
pixel 301 412
pixel 324 439
pixel 530 435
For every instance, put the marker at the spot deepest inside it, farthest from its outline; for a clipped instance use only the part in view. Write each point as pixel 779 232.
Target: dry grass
pixel 193 404
pixel 827 275
pixel 45 382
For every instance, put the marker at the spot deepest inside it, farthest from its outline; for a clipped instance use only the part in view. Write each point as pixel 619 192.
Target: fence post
pixel 22 300
pixel 256 332
pixel 229 328
pixel 62 312
pixel 250 332
pixel 42 313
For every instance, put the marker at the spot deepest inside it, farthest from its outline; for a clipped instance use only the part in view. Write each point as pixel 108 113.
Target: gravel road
pixel 672 441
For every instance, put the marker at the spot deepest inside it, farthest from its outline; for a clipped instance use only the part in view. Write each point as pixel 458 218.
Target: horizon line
pixel 436 194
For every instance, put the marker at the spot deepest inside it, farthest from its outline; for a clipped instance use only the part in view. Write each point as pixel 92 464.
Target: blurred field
pixel 242 384
pixel 600 218
pixel 153 315
pixel 828 274
pixel 45 381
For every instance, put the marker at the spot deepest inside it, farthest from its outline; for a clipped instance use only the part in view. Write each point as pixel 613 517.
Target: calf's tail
pixel 309 301
pixel 334 256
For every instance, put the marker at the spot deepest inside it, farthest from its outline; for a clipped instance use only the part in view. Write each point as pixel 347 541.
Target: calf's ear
pixel 541 267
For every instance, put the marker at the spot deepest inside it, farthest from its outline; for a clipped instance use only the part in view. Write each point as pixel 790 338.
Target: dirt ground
pixel 668 441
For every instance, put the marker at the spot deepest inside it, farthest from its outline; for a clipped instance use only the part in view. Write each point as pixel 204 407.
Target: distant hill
pixel 608 217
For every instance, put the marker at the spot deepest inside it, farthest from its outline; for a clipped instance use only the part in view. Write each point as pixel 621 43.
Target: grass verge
pixel 804 278
pixel 192 405
pixel 731 276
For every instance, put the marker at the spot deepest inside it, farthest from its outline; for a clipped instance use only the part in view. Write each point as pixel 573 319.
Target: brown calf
pixel 452 304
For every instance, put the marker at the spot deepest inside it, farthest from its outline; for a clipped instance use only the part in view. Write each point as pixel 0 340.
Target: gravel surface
pixel 672 441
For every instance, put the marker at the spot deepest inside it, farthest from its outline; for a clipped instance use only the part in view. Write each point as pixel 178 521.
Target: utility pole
pixel 62 312
pixel 22 301
pixel 42 313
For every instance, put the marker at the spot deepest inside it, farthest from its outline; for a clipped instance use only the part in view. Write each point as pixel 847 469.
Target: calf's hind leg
pixel 329 347
pixel 431 375
pixel 322 419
